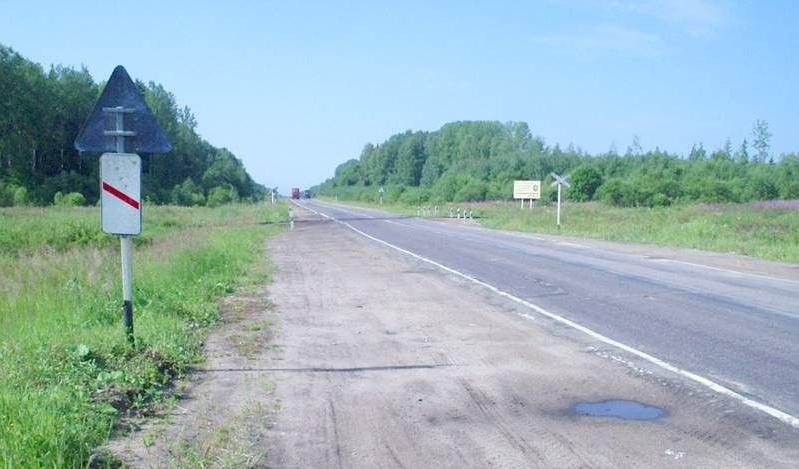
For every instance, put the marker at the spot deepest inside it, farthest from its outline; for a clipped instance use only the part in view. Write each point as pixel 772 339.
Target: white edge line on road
pixel 773 412
pixel 737 273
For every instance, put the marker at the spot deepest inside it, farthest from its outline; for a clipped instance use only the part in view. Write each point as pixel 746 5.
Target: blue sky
pixel 295 88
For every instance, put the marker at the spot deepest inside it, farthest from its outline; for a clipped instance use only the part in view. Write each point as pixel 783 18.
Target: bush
pixel 585 180
pixel 393 192
pixel 220 195
pixel 472 191
pixel 188 193
pixel 6 196
pixel 761 187
pixel 618 193
pixel 70 199
pixel 414 196
pixel 20 196
pixel 660 200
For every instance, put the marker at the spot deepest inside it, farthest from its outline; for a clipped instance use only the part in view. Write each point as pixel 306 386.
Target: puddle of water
pixel 619 408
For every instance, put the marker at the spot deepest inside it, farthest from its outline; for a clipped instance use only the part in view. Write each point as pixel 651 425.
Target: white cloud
pixel 695 17
pixel 609 37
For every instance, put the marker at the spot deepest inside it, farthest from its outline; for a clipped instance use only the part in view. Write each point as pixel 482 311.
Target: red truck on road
pixel 295 192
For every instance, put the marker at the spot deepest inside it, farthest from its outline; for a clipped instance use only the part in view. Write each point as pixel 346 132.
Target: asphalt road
pixel 739 330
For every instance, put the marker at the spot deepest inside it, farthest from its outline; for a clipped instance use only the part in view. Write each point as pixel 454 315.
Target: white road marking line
pixel 720 269
pixel 566 243
pixel 784 417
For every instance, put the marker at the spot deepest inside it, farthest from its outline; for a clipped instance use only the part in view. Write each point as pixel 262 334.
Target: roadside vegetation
pixel 68 373
pixel 766 229
pixel 734 199
pixel 479 160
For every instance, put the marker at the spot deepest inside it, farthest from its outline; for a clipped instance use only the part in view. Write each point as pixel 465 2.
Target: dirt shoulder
pixel 389 363
pixel 222 411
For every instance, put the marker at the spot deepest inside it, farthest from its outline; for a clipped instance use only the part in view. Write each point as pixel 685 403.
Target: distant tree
pixel 761 141
pixel 475 160
pixel 742 156
pixel 698 153
pixel 635 147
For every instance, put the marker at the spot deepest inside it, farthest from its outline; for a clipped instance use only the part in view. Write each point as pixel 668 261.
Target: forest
pixel 41 113
pixel 479 160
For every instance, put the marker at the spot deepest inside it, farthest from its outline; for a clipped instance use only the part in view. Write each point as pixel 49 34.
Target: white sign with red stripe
pixel 120 189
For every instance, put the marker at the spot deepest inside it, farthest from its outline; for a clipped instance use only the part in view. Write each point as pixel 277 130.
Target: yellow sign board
pixel 526 189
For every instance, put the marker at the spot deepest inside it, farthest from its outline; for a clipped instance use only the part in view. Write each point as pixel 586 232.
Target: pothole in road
pixel 619 408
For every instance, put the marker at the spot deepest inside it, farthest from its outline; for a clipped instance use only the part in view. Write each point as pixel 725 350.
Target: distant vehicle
pixel 295 192
pixel 306 194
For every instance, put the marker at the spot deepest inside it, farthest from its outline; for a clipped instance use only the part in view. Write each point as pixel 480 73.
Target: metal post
pixel 559 205
pixel 522 207
pixel 127 286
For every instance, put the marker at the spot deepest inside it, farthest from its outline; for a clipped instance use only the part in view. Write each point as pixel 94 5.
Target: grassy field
pixel 761 229
pixel 67 370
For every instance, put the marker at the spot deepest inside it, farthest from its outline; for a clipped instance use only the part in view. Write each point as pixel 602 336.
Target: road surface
pixel 739 330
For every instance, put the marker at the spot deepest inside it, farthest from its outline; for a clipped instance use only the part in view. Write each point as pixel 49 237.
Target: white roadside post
pixel 120 171
pixel 381 191
pixel 559 181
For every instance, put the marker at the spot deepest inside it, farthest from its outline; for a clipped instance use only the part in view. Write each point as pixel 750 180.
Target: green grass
pixel 769 233
pixel 67 371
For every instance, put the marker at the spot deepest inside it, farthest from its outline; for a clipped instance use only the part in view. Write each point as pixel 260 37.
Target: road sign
pixel 119 114
pixel 559 181
pixel 120 200
pixel 141 128
pixel 526 190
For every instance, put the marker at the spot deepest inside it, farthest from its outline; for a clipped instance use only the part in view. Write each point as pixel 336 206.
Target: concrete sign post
pixel 560 181
pixel 524 190
pixel 121 105
pixel 381 191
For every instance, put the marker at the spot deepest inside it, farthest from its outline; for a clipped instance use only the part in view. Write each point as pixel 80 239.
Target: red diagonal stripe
pixel 120 195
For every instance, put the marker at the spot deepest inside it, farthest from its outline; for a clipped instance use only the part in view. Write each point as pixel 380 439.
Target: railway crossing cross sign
pixel 559 181
pixel 119 114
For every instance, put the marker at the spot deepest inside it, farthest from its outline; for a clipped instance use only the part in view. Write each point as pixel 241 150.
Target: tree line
pixel 479 160
pixel 41 113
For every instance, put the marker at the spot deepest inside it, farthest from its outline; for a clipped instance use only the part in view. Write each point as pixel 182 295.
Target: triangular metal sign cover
pixel 121 91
